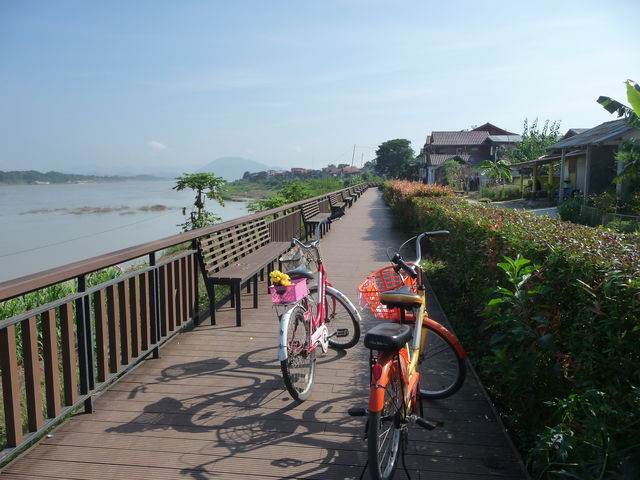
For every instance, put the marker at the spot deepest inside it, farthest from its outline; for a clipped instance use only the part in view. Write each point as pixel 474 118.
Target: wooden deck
pixel 214 405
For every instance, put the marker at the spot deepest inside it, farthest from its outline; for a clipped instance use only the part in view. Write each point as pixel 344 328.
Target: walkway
pixel 214 405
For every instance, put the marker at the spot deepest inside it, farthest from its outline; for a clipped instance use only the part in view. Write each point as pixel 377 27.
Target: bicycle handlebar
pixel 400 263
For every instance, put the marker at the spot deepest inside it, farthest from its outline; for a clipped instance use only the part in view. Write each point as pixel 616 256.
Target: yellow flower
pixel 279 278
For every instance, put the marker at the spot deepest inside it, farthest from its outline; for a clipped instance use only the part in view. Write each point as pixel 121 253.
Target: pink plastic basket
pixel 290 294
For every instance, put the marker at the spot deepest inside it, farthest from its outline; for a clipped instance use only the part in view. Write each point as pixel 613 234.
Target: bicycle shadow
pixel 245 415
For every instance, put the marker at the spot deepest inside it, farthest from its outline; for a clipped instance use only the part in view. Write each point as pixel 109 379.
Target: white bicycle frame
pixel 319 333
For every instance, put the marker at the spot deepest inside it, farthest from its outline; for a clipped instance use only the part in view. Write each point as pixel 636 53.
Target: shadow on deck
pixel 214 404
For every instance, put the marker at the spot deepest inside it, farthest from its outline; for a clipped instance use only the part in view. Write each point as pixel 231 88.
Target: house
pixel 544 184
pixel 587 163
pixel 343 171
pixel 467 147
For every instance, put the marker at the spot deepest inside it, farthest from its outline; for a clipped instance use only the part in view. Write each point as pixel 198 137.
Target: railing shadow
pixel 255 418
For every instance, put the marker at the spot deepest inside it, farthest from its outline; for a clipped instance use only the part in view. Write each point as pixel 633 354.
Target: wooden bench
pixel 348 199
pixel 355 192
pixel 336 202
pixel 233 256
pixel 312 216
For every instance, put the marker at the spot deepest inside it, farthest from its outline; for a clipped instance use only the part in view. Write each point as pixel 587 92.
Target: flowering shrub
pixel 562 363
pixel 404 189
pixel 399 195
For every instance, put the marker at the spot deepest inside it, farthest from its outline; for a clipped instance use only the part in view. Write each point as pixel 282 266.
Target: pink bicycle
pixel 316 315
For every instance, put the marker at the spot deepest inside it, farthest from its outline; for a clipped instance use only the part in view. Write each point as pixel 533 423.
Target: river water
pixel 45 226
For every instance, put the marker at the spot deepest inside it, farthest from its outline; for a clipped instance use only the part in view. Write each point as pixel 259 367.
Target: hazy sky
pixel 173 85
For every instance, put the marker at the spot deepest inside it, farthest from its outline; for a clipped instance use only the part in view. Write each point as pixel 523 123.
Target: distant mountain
pixel 232 168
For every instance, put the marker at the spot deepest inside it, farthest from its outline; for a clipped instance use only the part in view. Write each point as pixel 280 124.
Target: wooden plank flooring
pixel 214 405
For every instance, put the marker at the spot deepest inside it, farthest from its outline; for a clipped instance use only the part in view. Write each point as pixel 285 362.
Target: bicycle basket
pixel 298 256
pixel 380 281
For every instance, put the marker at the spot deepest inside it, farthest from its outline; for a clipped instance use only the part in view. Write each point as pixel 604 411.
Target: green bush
pixel 569 210
pixel 624 226
pixel 501 193
pixel 574 331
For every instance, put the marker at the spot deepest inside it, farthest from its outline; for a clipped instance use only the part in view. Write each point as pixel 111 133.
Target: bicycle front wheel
pixel 442 370
pixel 341 317
pixel 298 369
pixel 384 432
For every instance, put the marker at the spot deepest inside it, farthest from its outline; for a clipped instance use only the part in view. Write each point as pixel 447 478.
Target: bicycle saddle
pixel 300 272
pixel 387 336
pixel 403 297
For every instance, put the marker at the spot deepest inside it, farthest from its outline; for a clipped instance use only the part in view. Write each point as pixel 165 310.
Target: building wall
pixel 603 169
pixel 483 151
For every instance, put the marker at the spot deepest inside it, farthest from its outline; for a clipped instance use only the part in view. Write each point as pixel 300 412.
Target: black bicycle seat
pixel 403 297
pixel 387 336
pixel 300 272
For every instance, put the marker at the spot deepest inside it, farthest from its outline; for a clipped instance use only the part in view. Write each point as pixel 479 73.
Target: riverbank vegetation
pixel 264 188
pixel 34 177
pixel 549 312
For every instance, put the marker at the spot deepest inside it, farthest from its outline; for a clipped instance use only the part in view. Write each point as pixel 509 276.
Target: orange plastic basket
pixel 380 281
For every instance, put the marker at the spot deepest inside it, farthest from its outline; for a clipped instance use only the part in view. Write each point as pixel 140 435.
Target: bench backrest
pixel 334 200
pixel 310 209
pixel 225 247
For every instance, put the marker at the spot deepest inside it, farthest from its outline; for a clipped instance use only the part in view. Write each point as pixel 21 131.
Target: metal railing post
pixel 154 298
pixel 85 345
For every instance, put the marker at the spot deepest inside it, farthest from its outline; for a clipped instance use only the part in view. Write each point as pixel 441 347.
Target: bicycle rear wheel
pixel 298 369
pixel 340 315
pixel 443 370
pixel 384 432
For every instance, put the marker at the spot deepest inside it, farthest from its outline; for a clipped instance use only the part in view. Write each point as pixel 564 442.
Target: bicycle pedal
pixel 428 424
pixel 342 332
pixel 437 423
pixel 357 412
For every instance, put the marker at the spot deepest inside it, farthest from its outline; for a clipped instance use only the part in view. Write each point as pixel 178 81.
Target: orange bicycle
pixel 402 359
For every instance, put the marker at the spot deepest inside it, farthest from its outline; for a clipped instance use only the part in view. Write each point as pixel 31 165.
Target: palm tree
pixel 498 171
pixel 629 153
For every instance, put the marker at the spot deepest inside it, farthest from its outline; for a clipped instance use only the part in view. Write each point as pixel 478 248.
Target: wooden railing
pixel 55 357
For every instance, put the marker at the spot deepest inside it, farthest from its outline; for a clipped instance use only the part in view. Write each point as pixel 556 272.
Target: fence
pixel 54 357
pixel 593 216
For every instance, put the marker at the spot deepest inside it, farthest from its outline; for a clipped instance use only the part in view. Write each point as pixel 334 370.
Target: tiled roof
pixel 459 138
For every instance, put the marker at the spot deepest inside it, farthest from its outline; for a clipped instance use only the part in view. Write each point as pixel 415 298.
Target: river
pixel 45 226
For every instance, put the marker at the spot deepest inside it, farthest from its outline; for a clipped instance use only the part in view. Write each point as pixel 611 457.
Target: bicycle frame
pixel 407 359
pixel 411 354
pixel 318 333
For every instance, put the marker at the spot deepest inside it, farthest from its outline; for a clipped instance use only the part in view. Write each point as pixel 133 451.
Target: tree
pixel 290 193
pixel 629 153
pixel 206 185
pixel 454 174
pixel 498 171
pixel 534 141
pixel 631 114
pixel 393 158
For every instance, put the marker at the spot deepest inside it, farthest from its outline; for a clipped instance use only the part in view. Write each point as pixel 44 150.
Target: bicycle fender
pixel 447 334
pixel 282 340
pixel 377 387
pixel 354 311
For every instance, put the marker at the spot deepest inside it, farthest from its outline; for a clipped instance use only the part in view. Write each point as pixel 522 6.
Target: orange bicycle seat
pixel 403 297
